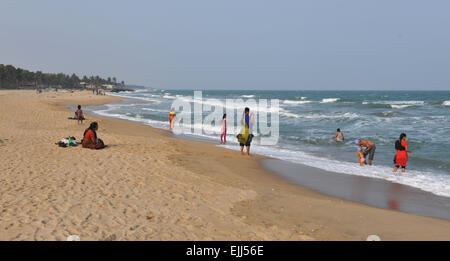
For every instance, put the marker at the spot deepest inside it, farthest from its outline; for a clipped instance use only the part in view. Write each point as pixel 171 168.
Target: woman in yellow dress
pixel 245 137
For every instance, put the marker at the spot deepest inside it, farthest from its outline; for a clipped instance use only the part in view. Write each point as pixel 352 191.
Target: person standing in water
pixel 172 115
pixel 339 136
pixel 401 158
pixel 223 135
pixel 245 137
pixel 370 149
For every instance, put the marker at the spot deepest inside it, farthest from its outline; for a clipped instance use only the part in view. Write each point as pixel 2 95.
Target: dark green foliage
pixel 13 78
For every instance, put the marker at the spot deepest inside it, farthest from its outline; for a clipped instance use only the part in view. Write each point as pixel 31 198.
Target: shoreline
pixel 309 145
pixel 379 193
pixel 170 188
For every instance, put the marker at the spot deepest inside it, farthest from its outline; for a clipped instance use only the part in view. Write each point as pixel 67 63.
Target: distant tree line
pixel 13 78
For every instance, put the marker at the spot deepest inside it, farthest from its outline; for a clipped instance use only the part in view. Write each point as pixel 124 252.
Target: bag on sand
pixel 69 141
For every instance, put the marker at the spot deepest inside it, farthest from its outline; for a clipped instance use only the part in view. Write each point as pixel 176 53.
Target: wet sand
pixel 371 191
pixel 148 185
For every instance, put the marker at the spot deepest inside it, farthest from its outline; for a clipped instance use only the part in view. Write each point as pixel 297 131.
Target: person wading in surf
pixel 339 136
pixel 401 158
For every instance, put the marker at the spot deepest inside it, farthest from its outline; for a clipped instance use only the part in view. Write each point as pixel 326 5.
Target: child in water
pixel 360 155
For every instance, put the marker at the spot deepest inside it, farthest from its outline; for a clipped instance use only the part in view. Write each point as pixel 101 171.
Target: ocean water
pixel 309 119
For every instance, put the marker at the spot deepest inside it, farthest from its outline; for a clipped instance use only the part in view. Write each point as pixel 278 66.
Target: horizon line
pixel 279 89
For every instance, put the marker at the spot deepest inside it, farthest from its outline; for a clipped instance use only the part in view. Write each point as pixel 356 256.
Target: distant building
pixel 108 86
pixel 93 86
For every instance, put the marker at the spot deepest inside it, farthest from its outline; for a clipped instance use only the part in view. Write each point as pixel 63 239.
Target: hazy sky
pixel 212 44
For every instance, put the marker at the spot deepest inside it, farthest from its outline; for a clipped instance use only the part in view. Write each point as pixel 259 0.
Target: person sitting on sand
pixel 360 156
pixel 245 137
pixel 79 115
pixel 339 136
pixel 90 139
pixel 401 158
pixel 370 149
pixel 172 115
pixel 223 135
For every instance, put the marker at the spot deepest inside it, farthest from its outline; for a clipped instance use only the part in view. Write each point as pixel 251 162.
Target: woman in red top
pixel 90 140
pixel 402 153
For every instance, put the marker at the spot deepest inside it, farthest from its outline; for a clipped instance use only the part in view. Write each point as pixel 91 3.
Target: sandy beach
pixel 148 185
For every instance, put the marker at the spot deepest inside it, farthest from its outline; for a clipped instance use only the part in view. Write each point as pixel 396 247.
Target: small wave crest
pixel 349 115
pixel 393 106
pixel 387 114
pixel 155 110
pixel 136 97
pixel 395 102
pixel 290 102
pixel 328 100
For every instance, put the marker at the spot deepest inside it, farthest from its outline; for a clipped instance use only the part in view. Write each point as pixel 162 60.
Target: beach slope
pixel 147 185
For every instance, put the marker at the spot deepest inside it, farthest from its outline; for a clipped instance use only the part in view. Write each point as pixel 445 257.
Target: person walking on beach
pixel 172 115
pixel 339 136
pixel 401 158
pixel 223 135
pixel 370 149
pixel 90 140
pixel 245 137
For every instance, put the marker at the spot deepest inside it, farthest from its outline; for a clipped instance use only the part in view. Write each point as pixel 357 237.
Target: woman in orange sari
pixel 401 145
pixel 90 139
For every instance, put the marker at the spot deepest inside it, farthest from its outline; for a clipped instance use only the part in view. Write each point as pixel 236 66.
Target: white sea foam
pixel 167 96
pixel 396 102
pixel 393 106
pixel 234 106
pixel 290 102
pixel 152 95
pixel 289 114
pixel 155 110
pixel 328 100
pixel 247 96
pixel 446 103
pixel 135 97
pixel 137 118
pixel 141 90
